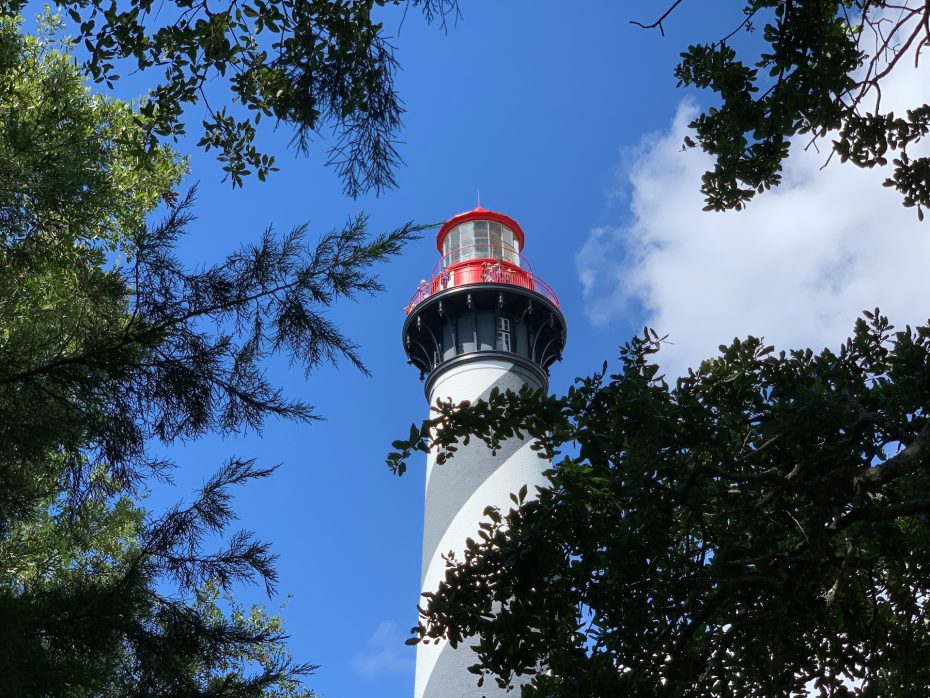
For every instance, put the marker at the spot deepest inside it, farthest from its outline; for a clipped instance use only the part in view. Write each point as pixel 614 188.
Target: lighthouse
pixel 482 320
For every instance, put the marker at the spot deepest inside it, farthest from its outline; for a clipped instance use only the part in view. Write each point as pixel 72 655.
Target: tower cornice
pixel 469 321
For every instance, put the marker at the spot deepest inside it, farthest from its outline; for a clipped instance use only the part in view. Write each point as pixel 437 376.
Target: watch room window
pixel 503 334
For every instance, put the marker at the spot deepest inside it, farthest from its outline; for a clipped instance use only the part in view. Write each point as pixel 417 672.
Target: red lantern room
pixel 481 297
pixel 480 246
pixel 480 234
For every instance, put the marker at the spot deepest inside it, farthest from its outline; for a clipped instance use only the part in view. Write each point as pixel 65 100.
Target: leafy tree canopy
pixel 109 344
pixel 313 65
pixel 322 66
pixel 761 524
pixel 820 74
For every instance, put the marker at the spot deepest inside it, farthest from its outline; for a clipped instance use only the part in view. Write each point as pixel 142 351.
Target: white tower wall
pixel 457 492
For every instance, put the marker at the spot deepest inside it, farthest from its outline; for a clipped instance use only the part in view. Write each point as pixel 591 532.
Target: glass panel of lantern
pixel 466 242
pixel 482 239
pixel 510 247
pixel 497 249
pixel 451 247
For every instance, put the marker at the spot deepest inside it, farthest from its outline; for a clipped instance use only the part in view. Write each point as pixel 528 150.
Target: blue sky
pixel 568 119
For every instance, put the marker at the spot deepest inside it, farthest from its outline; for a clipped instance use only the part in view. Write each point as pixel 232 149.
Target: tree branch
pixel 915 455
pixel 658 22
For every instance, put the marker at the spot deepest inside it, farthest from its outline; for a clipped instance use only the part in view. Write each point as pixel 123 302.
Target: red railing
pixel 481 271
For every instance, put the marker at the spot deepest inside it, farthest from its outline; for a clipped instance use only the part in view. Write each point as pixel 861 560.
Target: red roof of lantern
pixel 479 214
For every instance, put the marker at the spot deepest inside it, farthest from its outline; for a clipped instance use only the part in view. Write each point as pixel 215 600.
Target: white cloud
pixel 797 267
pixel 385 651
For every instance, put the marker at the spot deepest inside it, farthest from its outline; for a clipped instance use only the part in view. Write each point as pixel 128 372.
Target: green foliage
pixel 762 524
pixel 314 65
pixel 53 130
pixel 212 603
pixel 819 75
pixel 82 596
pixel 109 344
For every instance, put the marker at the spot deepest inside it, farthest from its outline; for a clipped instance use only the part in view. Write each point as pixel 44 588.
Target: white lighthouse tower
pixel 483 320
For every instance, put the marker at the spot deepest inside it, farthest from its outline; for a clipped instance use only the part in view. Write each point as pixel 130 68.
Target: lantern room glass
pixel 480 240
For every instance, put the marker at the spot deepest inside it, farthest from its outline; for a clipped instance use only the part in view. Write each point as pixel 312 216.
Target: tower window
pixel 503 334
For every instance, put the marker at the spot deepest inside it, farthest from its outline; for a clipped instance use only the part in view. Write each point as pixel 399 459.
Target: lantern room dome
pixel 480 234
